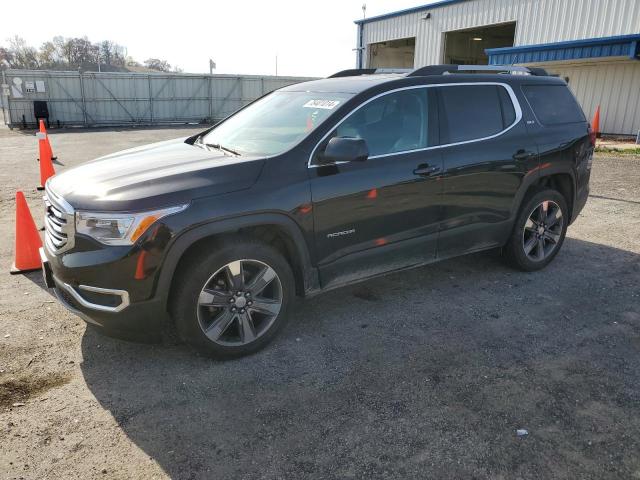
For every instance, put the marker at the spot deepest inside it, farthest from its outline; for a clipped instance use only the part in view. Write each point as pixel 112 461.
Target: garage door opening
pixel 392 54
pixel 466 47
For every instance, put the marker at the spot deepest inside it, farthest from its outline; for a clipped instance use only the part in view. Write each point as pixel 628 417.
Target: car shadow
pixel 425 373
pixel 35 277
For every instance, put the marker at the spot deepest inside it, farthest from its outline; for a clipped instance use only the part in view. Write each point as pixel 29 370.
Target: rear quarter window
pixel 553 104
pixel 506 107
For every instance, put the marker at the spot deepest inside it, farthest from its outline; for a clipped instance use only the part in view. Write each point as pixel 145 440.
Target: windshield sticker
pixel 326 104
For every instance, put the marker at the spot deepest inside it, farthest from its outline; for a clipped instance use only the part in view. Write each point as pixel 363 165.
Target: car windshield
pixel 275 123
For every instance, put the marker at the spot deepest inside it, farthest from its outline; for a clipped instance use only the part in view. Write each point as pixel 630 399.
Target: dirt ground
pixel 425 374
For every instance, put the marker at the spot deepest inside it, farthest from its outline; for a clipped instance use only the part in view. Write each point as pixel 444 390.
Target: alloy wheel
pixel 542 231
pixel 239 302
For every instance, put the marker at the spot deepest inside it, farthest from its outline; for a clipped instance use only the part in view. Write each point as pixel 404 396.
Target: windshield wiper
pixel 217 146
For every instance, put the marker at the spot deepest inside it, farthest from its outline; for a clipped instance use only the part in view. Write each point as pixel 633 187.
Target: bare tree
pixel 107 51
pixel 81 52
pixel 6 58
pixel 23 56
pixel 112 54
pixel 157 64
pixel 132 62
pixel 49 56
pixel 62 53
pixel 119 55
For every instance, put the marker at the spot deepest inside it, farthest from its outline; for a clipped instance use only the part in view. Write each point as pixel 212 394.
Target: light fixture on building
pixel 427 16
pixel 477 39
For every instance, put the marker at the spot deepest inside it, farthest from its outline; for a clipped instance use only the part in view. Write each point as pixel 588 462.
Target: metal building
pixel 593 44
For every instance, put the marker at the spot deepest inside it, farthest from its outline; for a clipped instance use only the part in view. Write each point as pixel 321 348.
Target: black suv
pixel 311 187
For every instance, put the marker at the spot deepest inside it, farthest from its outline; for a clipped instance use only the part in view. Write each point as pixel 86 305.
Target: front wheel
pixel 539 231
pixel 232 301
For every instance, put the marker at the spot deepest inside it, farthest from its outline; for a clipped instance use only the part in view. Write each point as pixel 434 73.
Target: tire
pixel 219 304
pixel 531 236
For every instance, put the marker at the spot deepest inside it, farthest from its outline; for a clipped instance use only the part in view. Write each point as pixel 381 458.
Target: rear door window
pixel 472 112
pixel 553 104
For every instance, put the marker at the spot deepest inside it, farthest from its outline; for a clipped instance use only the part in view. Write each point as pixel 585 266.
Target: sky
pixel 309 38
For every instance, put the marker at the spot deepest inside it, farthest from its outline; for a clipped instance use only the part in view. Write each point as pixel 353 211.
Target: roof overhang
pixel 430 6
pixel 626 46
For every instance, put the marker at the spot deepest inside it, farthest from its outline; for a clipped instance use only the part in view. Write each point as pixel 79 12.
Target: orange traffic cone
pixel 595 123
pixel 28 243
pixel 46 166
pixel 46 139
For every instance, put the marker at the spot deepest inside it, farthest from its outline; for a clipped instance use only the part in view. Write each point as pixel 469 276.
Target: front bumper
pixel 118 300
pixel 111 310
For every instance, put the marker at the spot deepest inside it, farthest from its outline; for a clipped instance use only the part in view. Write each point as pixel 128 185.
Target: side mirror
pixel 345 149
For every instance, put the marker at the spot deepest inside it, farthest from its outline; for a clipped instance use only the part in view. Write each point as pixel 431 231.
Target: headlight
pixel 120 228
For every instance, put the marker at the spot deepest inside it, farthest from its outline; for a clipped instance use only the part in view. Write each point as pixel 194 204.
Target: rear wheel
pixel 539 231
pixel 233 300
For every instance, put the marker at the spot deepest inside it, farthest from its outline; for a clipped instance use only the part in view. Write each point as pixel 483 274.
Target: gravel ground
pixel 425 374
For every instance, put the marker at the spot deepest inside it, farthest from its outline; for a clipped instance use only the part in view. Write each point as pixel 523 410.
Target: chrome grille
pixel 58 223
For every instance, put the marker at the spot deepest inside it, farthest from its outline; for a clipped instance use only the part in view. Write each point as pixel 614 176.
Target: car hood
pixel 153 176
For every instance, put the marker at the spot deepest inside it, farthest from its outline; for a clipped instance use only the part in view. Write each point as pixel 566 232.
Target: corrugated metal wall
pixel 615 86
pixel 538 21
pixel 94 99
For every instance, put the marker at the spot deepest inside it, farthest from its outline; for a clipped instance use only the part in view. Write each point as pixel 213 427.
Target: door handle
pixel 523 155
pixel 426 170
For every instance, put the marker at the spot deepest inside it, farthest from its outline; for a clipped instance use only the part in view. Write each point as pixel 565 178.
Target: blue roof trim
pixel 618 46
pixel 441 3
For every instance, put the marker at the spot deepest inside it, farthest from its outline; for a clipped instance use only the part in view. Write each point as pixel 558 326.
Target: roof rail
pixel 443 70
pixel 538 71
pixel 433 70
pixel 448 69
pixel 354 72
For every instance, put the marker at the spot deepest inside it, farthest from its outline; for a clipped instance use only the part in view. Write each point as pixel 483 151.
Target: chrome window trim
pixel 123 294
pixel 512 95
